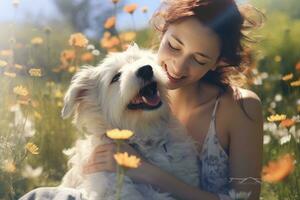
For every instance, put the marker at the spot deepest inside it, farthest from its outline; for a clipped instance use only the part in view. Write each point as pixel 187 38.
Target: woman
pixel 200 48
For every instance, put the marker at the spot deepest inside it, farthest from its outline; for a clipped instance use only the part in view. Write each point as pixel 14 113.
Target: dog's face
pixel 126 90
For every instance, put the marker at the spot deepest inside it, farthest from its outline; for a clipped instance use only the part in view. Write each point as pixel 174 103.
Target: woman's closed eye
pixel 199 62
pixel 173 47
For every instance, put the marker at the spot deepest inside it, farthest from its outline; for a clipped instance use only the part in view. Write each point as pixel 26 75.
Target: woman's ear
pixel 220 63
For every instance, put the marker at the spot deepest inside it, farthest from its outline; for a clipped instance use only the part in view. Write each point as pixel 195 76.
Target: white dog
pixel 126 91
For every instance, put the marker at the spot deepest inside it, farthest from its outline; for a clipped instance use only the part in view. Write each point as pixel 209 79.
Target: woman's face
pixel 187 51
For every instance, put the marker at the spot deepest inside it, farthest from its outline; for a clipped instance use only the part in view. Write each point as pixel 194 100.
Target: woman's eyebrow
pixel 199 53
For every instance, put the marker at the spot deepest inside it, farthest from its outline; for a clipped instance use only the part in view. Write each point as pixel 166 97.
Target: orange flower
pixel 115 1
pixel 67 56
pixel 109 42
pixel 128 36
pixel 130 8
pixel 125 160
pixel 287 77
pixel 287 123
pixel 78 40
pixel 297 67
pixel 144 9
pixel 110 22
pixel 277 170
pixel 295 83
pixel 87 57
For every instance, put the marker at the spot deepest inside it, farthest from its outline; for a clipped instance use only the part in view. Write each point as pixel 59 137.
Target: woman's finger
pixel 95 168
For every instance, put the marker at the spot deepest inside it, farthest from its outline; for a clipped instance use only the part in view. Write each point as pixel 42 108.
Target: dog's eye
pixel 116 78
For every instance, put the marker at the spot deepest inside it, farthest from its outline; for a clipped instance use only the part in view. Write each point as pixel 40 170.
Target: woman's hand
pixel 102 159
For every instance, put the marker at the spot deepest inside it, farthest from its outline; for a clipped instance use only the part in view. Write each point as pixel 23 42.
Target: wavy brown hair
pixel 226 20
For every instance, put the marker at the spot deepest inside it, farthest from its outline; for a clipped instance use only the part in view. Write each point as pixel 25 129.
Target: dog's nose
pixel 145 73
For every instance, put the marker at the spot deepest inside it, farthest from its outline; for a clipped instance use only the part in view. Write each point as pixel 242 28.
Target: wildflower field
pixel 37 62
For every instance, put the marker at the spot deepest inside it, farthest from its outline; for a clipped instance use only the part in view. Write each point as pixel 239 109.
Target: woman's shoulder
pixel 241 104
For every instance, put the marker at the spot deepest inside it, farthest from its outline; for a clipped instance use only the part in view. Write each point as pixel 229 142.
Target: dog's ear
pixel 133 47
pixel 81 83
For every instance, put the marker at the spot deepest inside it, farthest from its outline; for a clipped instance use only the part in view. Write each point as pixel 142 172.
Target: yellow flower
pixel 287 77
pixel 60 104
pixel 277 170
pixel 277 58
pixel 3 63
pixel 32 148
pixel 128 36
pixel 130 8
pixel 110 22
pixel 78 40
pixel 21 90
pixel 127 161
pixel 37 41
pixel 58 94
pixel 117 134
pixel 35 72
pixel 37 115
pixel 275 118
pixel 9 166
pixel 72 69
pixel 18 66
pixel 295 83
pixel 6 53
pixel 10 74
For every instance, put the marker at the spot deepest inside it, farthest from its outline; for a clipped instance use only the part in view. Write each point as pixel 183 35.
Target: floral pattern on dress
pixel 213 162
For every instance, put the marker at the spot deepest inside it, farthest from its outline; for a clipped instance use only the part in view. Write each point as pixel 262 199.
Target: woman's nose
pixel 180 66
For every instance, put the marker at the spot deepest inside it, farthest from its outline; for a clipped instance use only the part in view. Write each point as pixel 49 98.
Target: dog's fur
pixel 101 105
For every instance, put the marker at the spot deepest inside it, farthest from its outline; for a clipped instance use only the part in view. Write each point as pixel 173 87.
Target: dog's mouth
pixel 148 98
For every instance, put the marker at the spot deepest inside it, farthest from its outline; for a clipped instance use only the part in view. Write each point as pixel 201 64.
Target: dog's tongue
pixel 152 101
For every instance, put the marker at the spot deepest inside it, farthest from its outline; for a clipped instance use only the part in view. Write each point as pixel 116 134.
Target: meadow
pixel 37 63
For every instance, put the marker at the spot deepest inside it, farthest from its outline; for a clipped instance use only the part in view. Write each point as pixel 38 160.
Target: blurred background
pixel 44 42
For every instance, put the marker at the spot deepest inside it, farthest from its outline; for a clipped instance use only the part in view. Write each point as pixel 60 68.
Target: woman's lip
pixel 172 79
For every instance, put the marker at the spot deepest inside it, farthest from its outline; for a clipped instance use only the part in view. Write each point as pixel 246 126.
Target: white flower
pixel 69 152
pixel 267 139
pixel 90 47
pixel 278 97
pixel 285 139
pixel 257 81
pixel 270 126
pixel 264 75
pixel 96 52
pixel 239 195
pixel 280 132
pixel 29 172
pixel 273 104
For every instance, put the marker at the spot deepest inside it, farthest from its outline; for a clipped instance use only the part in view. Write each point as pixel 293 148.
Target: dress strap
pixel 216 106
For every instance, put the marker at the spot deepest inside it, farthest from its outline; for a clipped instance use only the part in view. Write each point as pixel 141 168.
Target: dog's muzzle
pixel 148 97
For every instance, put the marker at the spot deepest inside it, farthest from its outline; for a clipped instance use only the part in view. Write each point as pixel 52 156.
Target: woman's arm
pixel 246 145
pixel 166 182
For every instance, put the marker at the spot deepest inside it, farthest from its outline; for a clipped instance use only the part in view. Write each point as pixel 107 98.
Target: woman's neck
pixel 192 96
